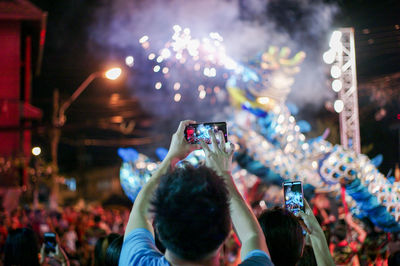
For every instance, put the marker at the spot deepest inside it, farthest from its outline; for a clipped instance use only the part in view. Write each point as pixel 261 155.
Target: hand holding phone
pixel 293 193
pixel 50 243
pixel 196 132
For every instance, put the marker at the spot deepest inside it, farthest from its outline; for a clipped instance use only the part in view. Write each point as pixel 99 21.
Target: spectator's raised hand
pixel 179 147
pixel 218 157
pixel 310 220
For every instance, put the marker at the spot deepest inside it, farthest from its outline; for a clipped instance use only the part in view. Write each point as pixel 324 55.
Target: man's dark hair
pixel 191 212
pixel 283 234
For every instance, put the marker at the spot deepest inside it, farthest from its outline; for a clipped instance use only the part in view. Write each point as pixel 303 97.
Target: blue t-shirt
pixel 139 249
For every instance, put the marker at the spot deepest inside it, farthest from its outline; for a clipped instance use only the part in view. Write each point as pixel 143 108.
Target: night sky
pixel 72 52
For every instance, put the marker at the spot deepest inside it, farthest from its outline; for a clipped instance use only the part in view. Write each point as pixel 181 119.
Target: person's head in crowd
pixel 340 232
pixel 101 248
pixel 21 248
pixel 394 259
pixel 284 235
pixel 97 219
pixel 191 212
pixel 113 251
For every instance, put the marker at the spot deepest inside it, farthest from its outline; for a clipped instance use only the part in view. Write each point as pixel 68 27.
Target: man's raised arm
pixel 243 219
pixel 179 149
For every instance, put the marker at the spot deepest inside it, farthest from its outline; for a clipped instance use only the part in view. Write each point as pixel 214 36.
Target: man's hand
pixel 218 157
pixel 179 147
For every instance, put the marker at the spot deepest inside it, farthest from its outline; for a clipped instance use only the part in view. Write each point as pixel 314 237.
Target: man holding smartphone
pixel 193 209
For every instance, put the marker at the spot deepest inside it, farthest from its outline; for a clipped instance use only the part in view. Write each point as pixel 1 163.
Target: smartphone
pixel 293 193
pixel 196 132
pixel 50 243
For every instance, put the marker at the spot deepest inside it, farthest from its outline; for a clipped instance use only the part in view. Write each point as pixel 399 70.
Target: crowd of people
pixel 78 231
pixel 195 216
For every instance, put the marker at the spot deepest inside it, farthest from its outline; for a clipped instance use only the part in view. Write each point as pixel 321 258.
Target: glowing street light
pixel 36 151
pixel 111 74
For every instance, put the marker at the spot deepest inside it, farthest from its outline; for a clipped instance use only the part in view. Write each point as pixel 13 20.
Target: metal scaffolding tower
pixel 343 59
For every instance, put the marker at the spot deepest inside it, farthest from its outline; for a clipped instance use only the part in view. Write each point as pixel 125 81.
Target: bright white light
pixel 151 56
pixel 305 146
pixel 165 53
pixel 158 85
pixel 336 85
pixel 206 72
pixel 329 56
pixel 144 39
pixel 335 39
pixel 338 106
pixel 165 70
pixel 291 119
pixel 129 61
pixel 156 68
pixel 213 72
pixel 186 31
pixel 263 100
pixel 177 97
pixel 281 118
pixel 159 59
pixel 113 73
pixel 290 138
pixel 314 164
pixel 202 94
pixel 177 86
pixel 336 72
pixel 201 87
pixel 177 28
pixel 36 151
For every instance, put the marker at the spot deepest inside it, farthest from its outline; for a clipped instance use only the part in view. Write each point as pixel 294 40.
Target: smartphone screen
pixel 50 243
pixel 195 132
pixel 293 193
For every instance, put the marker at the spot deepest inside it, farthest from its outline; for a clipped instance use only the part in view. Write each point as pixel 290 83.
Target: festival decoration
pixel 268 134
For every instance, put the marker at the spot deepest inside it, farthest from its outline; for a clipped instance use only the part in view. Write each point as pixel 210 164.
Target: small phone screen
pixel 293 192
pixel 50 242
pixel 195 132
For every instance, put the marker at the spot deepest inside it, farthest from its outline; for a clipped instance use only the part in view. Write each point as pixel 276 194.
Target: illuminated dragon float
pixel 266 130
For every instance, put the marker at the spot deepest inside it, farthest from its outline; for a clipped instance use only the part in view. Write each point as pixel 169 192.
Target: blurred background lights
pixel 165 53
pixel 159 59
pixel 113 73
pixel 338 106
pixel 202 94
pixel 336 85
pixel 156 68
pixel 129 61
pixel 177 97
pixel 335 72
pixel 158 85
pixel 165 70
pixel 151 56
pixel 177 86
pixel 144 39
pixel 36 151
